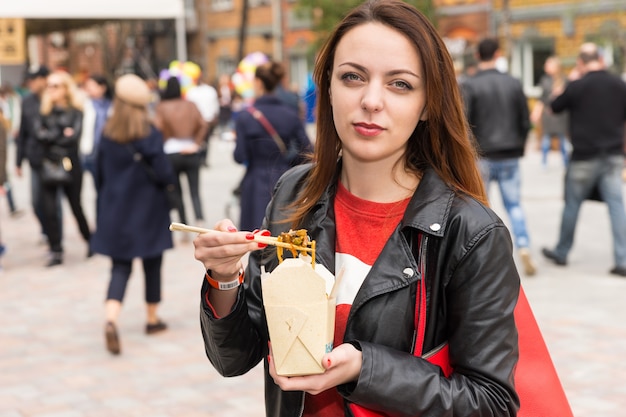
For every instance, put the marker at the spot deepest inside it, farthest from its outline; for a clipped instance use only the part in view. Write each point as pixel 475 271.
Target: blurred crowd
pixel 187 116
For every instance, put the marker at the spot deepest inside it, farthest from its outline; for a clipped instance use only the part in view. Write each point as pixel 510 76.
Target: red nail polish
pixel 262 245
pixel 266 233
pixel 328 363
pixel 269 359
pixel 250 236
pixel 255 231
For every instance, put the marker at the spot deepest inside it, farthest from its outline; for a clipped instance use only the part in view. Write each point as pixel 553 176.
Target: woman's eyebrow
pixel 391 73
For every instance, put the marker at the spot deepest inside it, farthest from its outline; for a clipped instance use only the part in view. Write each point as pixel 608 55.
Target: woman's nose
pixel 372 100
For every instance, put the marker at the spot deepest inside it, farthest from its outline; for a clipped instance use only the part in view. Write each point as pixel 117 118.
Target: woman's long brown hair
pixel 443 142
pixel 127 122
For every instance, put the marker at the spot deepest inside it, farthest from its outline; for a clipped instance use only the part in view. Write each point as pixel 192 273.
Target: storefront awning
pixel 44 16
pixel 94 9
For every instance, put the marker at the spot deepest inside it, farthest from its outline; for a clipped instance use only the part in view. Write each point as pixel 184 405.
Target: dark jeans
pixel 120 273
pixel 53 224
pixel 188 164
pixel 605 172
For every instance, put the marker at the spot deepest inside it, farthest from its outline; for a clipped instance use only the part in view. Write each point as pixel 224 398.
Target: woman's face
pixel 56 89
pixel 377 93
pixel 93 89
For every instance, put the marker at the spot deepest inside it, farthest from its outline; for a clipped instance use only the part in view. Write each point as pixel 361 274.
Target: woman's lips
pixel 367 129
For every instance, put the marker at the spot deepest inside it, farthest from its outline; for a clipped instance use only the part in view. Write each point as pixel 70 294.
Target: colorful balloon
pixel 187 73
pixel 244 76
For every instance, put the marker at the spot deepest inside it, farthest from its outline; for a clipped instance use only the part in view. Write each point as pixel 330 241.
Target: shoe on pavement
pixel 112 340
pixel 554 257
pixel 56 258
pixel 159 326
pixel 619 270
pixel 527 262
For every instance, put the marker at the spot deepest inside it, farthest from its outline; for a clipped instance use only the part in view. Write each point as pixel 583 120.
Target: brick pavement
pixel 52 357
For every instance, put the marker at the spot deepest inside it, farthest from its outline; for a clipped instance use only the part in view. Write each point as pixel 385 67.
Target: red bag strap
pixel 260 117
pixel 420 298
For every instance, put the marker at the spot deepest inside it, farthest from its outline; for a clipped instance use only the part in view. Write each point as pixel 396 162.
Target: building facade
pixel 273 27
pixel 532 30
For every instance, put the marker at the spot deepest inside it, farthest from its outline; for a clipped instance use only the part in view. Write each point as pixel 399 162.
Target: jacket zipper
pixel 302 405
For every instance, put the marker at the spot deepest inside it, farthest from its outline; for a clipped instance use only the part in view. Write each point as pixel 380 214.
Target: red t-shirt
pixel 362 229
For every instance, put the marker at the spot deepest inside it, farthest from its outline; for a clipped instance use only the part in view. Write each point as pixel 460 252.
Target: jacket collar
pixel 429 208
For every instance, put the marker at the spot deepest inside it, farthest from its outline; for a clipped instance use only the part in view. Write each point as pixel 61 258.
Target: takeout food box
pixel 300 316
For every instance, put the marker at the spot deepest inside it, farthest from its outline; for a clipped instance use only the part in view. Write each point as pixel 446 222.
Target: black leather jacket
pixel 51 138
pixel 472 289
pixel 497 111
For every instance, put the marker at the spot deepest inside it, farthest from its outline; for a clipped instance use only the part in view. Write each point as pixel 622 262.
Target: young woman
pixel 259 151
pixel 133 214
pixel 58 131
pixel 394 184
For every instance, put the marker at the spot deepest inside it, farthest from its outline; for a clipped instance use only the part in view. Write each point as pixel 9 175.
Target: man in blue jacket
pixel 498 115
pixel 597 106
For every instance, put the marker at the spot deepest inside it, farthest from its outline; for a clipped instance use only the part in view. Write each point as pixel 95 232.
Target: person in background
pixel 395 175
pixel 184 133
pixel 133 213
pixel 5 126
pixel 204 96
pixel 497 112
pixel 310 102
pixel 597 113
pixel 58 130
pixel 225 93
pixel 96 112
pixel 10 108
pixel 10 102
pixel 257 149
pixel 552 84
pixel 29 148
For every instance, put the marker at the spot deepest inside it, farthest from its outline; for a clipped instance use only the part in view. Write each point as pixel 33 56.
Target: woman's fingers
pixel 221 251
pixel 342 365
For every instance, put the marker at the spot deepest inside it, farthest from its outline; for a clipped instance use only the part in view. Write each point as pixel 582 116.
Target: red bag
pixel 536 381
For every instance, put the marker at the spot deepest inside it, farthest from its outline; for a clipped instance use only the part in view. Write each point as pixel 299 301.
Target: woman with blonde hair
pixel 131 174
pixel 58 130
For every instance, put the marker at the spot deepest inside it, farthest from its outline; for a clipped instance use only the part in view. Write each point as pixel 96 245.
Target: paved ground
pixel 52 357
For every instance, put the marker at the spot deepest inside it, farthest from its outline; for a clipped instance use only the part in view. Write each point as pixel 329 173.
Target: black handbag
pixel 56 172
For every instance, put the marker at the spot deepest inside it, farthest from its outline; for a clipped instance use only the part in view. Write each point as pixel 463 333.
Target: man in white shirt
pixel 204 96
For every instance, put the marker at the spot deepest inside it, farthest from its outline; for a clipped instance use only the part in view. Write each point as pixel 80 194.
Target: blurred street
pixel 53 362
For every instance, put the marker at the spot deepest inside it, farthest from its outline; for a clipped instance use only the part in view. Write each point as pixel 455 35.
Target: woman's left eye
pixel 403 85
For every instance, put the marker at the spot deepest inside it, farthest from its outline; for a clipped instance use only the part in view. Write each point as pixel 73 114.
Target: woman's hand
pixel 222 252
pixel 342 365
pixel 68 132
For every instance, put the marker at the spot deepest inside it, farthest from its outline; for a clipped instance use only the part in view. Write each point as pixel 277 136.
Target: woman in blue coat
pixel 132 172
pixel 259 151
